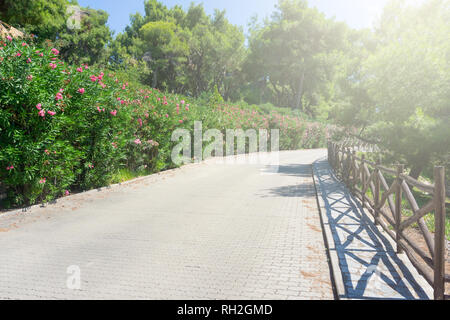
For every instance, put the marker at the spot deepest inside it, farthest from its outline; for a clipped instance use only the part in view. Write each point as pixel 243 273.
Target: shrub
pixel 70 128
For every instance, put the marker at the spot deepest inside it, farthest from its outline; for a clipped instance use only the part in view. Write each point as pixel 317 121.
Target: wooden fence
pixel 366 180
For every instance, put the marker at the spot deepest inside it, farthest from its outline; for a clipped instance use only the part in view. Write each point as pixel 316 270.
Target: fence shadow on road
pixel 295 170
pixel 368 262
pixel 300 189
pixel 291 191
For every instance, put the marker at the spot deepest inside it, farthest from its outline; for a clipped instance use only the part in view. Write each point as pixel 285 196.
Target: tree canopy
pixel 48 20
pixel 390 84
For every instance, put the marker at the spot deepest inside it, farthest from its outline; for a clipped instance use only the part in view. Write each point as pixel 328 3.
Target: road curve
pixel 205 231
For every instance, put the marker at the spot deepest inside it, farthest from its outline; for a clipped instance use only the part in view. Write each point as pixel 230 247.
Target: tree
pixel 407 79
pixel 47 20
pixel 87 44
pixel 188 52
pixel 292 51
pixel 165 48
pixel 44 18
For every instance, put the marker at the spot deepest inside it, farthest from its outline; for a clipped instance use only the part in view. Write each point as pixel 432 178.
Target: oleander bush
pixel 70 128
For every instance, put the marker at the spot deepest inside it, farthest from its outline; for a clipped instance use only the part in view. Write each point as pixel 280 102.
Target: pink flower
pixel 187 108
pixel 29 60
pixel 9 38
pixel 30 77
pixel 24 44
pixel 93 78
pixel 80 69
pixel 59 96
pixel 101 75
pixel 41 113
pixel 42 181
pixel 66 193
pixel 81 90
pixel 182 102
pixel 46 151
pixel 166 115
pixel 18 54
pixel 137 141
pixel 55 51
pixel 114 145
pixel 9 168
pixel 52 113
pixel 41 54
pixel 53 66
pixel 140 122
pixel 180 121
pixel 39 106
pixel 114 112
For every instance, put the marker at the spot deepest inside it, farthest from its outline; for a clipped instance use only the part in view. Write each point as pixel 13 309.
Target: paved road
pixel 205 231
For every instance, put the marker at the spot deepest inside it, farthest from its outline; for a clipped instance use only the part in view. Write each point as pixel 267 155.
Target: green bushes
pixel 70 128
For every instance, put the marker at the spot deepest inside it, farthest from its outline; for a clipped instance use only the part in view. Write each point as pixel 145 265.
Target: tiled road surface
pixel 205 231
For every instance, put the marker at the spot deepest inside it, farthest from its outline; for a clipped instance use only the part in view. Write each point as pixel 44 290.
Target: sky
pixel 357 13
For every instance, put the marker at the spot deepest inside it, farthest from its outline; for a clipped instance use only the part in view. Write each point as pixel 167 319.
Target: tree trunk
pixel 155 78
pixel 416 170
pixel 418 163
pixel 299 104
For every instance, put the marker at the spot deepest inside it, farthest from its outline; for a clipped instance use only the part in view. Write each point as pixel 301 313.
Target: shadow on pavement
pixel 368 263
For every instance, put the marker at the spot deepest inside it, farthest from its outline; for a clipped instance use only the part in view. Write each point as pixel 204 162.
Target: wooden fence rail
pixel 366 180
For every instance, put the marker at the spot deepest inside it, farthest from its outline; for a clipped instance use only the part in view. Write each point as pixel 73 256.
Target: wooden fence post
pixel 338 159
pixel 363 181
pixel 376 196
pixel 332 155
pixel 398 206
pixel 349 166
pixel 333 146
pixel 346 165
pixel 354 180
pixel 328 151
pixel 439 235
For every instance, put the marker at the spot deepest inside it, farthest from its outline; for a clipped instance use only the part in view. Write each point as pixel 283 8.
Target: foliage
pixel 291 55
pixel 44 18
pixel 402 91
pixel 187 52
pixel 68 128
pixel 48 20
pixel 390 85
